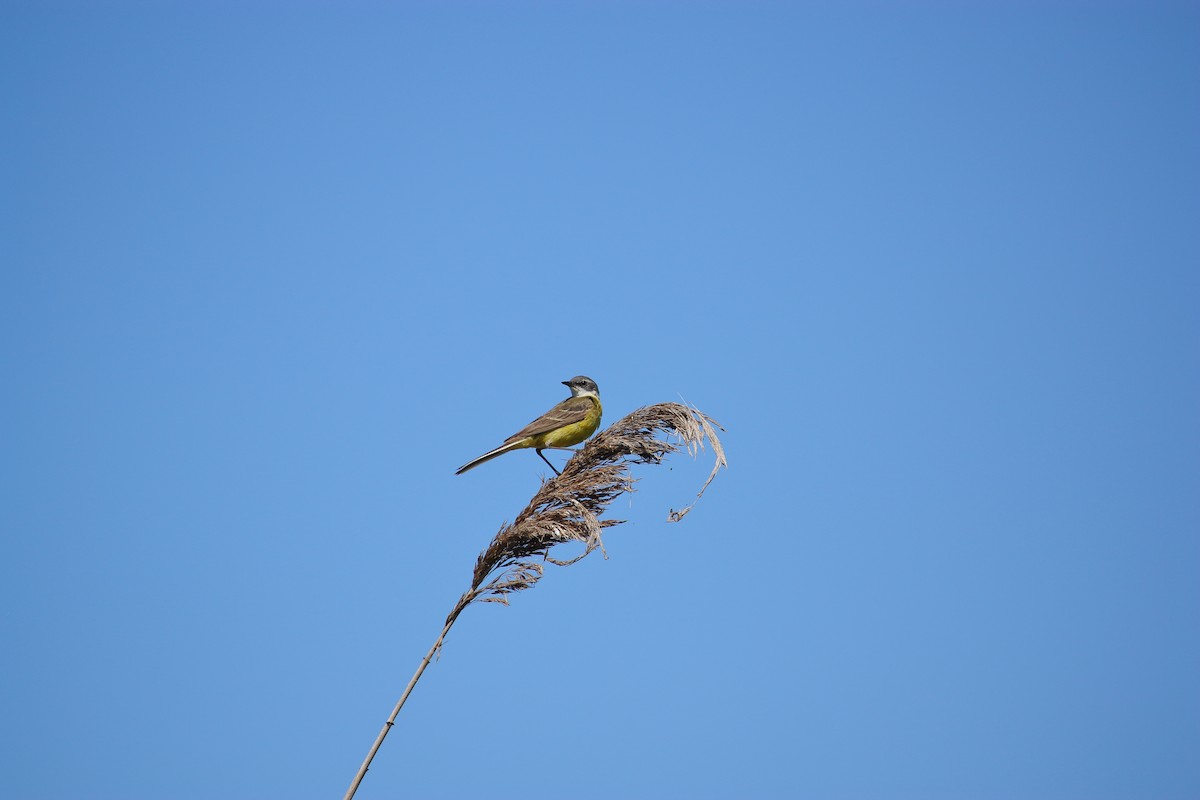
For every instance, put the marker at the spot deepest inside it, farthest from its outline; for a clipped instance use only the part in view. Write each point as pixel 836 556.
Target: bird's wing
pixel 573 409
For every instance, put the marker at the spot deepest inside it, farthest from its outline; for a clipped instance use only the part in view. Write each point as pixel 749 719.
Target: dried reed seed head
pixel 567 508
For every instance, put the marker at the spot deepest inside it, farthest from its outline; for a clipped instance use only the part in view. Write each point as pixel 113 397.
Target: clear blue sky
pixel 272 272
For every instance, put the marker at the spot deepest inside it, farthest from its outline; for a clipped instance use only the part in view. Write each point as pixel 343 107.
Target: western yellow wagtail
pixel 568 423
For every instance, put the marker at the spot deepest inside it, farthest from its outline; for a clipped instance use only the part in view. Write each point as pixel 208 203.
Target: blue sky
pixel 272 272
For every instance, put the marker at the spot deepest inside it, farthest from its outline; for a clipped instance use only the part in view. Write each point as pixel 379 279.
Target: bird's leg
pixel 548 464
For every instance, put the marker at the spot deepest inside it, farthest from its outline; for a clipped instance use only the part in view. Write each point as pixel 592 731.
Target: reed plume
pixel 567 508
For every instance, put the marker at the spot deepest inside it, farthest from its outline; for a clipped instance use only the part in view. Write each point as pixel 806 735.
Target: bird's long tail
pixel 488 456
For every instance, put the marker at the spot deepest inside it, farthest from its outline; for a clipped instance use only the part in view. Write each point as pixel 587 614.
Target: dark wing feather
pixel 573 409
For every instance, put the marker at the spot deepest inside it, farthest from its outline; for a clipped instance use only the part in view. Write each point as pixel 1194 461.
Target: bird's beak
pixel 566 383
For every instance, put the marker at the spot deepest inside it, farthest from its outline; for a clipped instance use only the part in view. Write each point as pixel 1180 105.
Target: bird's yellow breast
pixel 574 433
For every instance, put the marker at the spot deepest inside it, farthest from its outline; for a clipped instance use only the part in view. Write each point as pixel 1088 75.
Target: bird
pixel 568 423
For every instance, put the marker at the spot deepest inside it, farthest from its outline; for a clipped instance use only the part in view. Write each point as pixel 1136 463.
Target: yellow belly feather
pixel 568 435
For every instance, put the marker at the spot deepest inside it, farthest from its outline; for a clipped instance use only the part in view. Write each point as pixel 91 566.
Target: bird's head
pixel 582 386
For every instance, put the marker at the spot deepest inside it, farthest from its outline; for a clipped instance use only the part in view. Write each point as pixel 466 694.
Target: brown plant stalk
pixel 567 508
